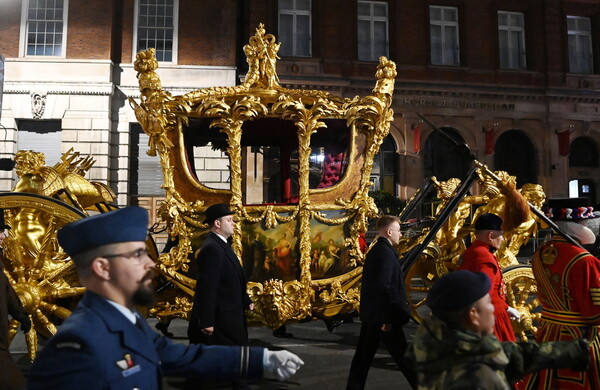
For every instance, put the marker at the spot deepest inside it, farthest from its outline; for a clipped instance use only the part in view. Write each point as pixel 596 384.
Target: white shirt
pixel 221 237
pixel 130 315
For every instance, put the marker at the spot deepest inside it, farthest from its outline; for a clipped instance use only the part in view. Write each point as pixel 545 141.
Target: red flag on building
pixel 489 140
pixel 564 142
pixel 417 137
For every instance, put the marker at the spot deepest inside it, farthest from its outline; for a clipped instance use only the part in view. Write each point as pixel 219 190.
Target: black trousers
pixel 368 342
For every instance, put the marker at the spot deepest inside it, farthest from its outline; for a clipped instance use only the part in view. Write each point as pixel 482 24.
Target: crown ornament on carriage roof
pixel 261 55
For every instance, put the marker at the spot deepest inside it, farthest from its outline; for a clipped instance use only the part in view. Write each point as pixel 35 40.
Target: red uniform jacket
pixel 480 258
pixel 568 279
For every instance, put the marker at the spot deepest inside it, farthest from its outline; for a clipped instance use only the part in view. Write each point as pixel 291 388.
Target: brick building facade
pixel 516 80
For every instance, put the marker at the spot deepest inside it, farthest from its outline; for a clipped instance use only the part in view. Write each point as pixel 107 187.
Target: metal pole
pixel 411 256
pixel 416 199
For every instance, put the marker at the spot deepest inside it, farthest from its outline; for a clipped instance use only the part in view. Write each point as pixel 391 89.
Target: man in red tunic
pixel 568 279
pixel 479 257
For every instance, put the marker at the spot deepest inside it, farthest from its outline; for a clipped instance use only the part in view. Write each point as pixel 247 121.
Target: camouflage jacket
pixel 451 359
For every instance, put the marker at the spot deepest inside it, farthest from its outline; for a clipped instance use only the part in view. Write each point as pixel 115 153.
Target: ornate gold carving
pixel 42 273
pixel 522 295
pixel 277 302
pixel 163 117
pixel 261 54
pixel 44 199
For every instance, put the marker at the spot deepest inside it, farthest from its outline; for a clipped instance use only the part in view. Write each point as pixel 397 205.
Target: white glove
pixel 283 364
pixel 513 313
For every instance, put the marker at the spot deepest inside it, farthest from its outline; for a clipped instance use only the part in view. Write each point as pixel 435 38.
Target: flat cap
pixel 216 211
pixel 488 222
pixel 123 225
pixel 457 290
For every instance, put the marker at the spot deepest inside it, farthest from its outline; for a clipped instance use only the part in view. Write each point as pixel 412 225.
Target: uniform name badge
pixel 128 366
pixel 131 371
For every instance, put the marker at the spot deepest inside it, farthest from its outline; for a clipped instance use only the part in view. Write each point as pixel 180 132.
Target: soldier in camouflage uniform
pixel 455 348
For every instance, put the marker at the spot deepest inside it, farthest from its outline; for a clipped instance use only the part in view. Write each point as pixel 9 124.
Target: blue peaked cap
pixel 122 225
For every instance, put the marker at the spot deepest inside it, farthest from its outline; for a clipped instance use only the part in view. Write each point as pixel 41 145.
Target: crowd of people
pixel 467 342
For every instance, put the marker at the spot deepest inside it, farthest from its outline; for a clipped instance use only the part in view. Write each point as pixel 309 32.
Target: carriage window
pixel 207 157
pixel 270 164
pixel 329 158
pixel 269 158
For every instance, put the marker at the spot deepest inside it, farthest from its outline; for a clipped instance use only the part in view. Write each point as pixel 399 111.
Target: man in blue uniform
pixel 105 344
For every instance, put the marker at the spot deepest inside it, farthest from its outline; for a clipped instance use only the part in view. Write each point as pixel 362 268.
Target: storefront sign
pixel 455 104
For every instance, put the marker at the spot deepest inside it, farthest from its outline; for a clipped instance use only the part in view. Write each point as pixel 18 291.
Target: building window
pixel 443 25
pixel 294 28
pixel 584 153
pixel 45 27
pixel 372 30
pixel 511 37
pixel 157 28
pixel 515 153
pixel 579 32
pixel 145 172
pixel 42 136
pixel 383 173
pixel 442 159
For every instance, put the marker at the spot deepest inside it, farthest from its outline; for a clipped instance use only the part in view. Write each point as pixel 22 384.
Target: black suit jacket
pixel 383 296
pixel 220 298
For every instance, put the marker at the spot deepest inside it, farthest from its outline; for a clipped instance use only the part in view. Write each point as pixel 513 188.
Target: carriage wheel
pixel 40 271
pixel 522 295
pixel 419 279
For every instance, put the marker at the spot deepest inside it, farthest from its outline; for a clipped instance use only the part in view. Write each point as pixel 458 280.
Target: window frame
pixel 578 33
pixel 445 24
pixel 510 29
pixel 23 38
pixel 295 12
pixel 136 12
pixel 372 19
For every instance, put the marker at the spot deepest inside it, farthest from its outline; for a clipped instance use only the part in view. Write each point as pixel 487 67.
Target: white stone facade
pixel 89 97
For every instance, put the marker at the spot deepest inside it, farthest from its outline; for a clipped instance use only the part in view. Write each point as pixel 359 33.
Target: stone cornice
pixel 452 91
pixel 71 88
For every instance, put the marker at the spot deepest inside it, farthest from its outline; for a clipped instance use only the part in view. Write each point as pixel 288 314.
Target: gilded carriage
pixel 298 165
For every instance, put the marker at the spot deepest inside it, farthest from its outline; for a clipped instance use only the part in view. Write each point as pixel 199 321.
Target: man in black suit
pixel 218 313
pixel 383 306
